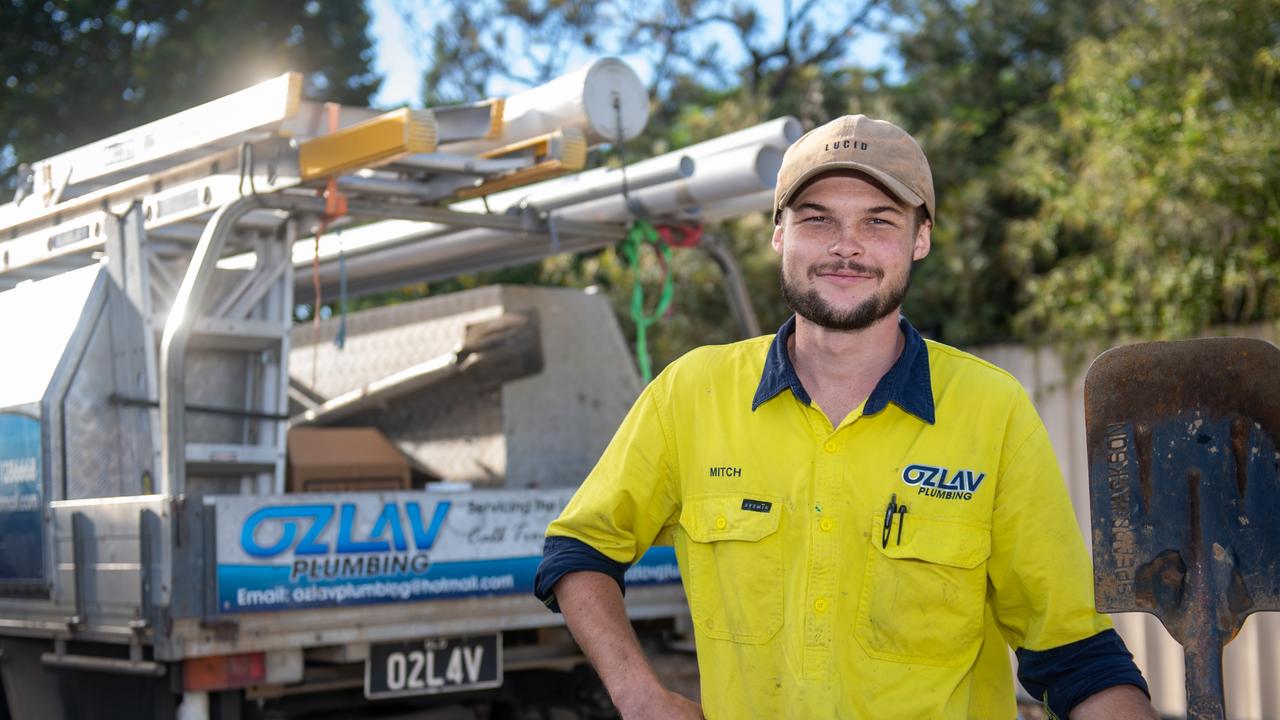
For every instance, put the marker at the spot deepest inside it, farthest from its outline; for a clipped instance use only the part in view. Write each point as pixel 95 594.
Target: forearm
pixel 1119 702
pixel 593 609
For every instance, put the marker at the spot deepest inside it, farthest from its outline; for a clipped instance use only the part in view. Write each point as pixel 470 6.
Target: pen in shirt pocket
pixel 892 509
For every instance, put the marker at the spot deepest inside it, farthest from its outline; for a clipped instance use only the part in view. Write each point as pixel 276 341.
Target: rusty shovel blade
pixel 1185 492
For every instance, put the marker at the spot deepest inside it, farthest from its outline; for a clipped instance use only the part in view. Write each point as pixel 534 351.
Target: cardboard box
pixel 348 458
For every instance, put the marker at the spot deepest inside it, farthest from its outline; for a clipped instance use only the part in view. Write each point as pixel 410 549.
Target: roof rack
pixel 203 217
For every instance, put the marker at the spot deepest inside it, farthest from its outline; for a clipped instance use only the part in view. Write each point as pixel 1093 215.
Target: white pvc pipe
pixel 730 169
pixel 736 172
pixel 779 133
pixel 583 99
pixel 464 252
pixel 398 260
pixel 547 195
pixel 760 201
pixel 560 193
pixel 744 171
pixel 589 185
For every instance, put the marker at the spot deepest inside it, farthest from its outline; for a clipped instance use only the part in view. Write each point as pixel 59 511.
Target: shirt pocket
pixel 734 570
pixel 923 600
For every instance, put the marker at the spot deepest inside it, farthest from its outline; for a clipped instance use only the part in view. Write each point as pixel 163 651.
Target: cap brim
pixel 893 185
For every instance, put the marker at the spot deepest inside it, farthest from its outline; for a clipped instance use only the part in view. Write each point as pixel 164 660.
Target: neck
pixel 840 368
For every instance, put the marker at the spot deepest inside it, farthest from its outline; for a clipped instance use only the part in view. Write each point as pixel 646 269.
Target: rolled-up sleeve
pixel 1064 676
pixel 563 555
pixel 626 500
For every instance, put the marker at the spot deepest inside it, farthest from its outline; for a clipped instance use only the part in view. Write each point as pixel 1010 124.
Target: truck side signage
pixel 313 520
pixel 330 550
pixel 22 500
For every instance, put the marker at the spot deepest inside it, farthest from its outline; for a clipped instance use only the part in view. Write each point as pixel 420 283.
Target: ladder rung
pixel 231 457
pixel 239 335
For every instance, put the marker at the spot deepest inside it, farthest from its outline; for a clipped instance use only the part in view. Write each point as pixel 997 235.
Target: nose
pixel 846 244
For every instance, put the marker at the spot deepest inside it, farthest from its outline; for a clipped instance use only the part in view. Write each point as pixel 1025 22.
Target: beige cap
pixel 856 142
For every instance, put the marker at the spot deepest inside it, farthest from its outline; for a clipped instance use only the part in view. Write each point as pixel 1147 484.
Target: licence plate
pixel 433 665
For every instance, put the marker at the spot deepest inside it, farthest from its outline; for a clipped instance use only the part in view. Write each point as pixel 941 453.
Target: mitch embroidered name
pixel 726 471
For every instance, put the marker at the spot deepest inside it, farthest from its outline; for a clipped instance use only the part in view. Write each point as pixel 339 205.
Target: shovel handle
pixel 1205 699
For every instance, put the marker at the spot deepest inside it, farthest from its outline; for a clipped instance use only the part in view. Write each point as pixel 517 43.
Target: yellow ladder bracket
pixel 373 142
pixel 555 153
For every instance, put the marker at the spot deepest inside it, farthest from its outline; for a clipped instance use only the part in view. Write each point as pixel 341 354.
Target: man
pixel 865 521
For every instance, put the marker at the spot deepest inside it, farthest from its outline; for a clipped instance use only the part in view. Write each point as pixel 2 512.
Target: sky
pixel 403 67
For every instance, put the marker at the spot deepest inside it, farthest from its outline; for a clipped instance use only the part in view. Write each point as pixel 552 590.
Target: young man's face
pixel 847 248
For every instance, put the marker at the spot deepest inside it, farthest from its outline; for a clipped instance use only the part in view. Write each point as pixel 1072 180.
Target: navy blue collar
pixel 906 384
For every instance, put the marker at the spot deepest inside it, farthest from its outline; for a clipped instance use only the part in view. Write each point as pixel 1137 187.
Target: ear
pixel 924 239
pixel 777 238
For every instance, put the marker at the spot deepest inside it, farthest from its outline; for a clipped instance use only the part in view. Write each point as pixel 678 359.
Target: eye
pixel 815 218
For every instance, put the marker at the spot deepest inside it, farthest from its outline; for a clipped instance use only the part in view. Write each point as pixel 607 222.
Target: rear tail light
pixel 224 672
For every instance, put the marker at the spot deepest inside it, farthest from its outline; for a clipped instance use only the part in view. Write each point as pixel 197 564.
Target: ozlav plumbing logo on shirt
pixel 311 551
pixel 940 482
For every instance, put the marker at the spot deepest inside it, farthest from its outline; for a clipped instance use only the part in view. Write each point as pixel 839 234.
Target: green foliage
pixel 73 72
pixel 475 43
pixel 1104 168
pixel 976 71
pixel 1159 198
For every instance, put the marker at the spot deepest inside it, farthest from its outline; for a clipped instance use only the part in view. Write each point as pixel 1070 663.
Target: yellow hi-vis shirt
pixel 879 569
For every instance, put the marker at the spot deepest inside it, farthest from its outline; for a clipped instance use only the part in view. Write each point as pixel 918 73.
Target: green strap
pixel 1049 714
pixel 641 233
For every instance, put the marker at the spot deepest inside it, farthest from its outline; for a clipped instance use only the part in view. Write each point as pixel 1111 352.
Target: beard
pixel 807 303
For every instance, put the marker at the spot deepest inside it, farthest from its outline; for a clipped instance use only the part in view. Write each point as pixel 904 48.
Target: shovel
pixel 1185 492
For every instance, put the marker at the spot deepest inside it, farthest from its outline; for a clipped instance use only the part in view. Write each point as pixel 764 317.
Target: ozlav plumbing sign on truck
pixel 330 550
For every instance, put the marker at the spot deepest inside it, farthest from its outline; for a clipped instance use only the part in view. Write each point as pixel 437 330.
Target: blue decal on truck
pixel 338 551
pixel 252 588
pixel 316 519
pixel 21 500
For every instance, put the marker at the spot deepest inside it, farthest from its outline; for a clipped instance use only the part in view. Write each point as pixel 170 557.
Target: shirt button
pixel 829 446
pixel 826 524
pixel 820 605
pixel 721 523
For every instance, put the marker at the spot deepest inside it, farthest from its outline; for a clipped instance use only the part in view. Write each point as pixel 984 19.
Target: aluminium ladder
pixel 252 172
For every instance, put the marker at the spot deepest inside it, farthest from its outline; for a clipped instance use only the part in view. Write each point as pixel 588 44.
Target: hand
pixel 592 606
pixel 665 705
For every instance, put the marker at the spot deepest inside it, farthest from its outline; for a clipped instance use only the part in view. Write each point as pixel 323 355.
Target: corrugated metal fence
pixel 1252 664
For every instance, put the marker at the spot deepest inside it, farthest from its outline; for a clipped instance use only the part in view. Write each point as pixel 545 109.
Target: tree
pixel 974 72
pixel 1158 202
pixel 73 72
pixel 476 45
